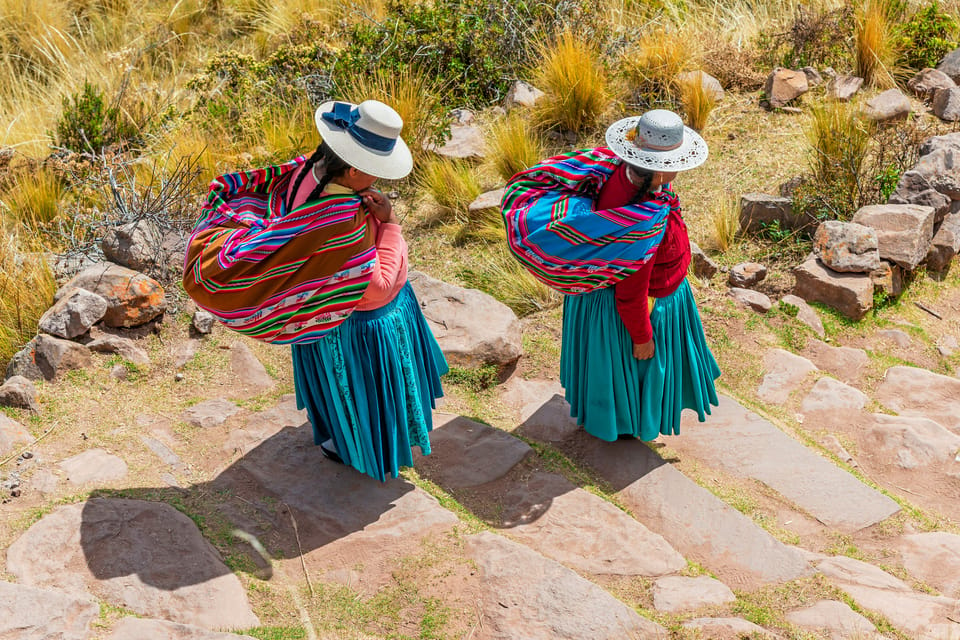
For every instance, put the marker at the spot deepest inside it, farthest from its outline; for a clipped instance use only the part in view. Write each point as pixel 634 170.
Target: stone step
pixel 743 444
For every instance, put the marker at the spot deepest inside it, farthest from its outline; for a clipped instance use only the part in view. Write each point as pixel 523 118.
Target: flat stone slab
pixel 94 466
pixel 260 426
pixel 680 593
pixel 819 487
pixel 468 453
pixel 832 395
pixel 727 628
pixel 934 558
pixel 919 615
pixel 144 556
pixel 12 433
pixel 843 363
pixel 528 596
pixel 837 619
pixel 210 413
pixel 694 521
pixel 917 392
pixel 582 531
pixel 29 613
pixel 250 375
pixel 785 372
pixel 543 410
pixel 912 442
pixel 144 629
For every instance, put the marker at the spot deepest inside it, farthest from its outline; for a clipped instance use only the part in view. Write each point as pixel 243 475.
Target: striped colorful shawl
pixel 553 230
pixel 278 276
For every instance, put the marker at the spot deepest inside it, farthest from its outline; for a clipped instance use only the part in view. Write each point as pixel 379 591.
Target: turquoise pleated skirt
pixel 613 394
pixel 370 385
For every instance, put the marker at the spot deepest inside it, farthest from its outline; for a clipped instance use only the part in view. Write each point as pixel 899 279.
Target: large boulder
pixel 946 104
pixel 24 363
pixel 941 169
pixel 945 243
pixel 28 613
pixel 465 140
pixel 925 83
pixel 946 141
pixel 522 94
pixel 700 262
pixel 132 298
pixel 847 247
pixel 904 231
pixel 760 210
pixel 19 392
pixel 849 293
pixel 54 355
pixel 12 433
pixel 915 188
pixel 711 86
pixel 473 328
pixel 784 85
pixel 73 314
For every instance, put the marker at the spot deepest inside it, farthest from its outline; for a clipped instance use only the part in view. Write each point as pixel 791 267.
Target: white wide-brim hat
pixel 657 141
pixel 366 136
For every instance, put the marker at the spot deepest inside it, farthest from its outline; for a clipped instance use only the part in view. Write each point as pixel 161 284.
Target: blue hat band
pixel 343 117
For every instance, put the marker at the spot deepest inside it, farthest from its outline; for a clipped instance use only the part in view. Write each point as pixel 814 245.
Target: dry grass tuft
pixel 725 223
pixel 453 185
pixel 874 42
pixel 839 139
pixel 652 65
pixel 577 89
pixel 26 291
pixel 697 101
pixel 513 145
pixel 33 200
pixel 500 275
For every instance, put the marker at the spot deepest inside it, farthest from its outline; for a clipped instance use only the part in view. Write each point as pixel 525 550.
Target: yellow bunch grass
pixel 839 139
pixel 32 200
pixel 653 64
pixel 452 184
pixel 874 42
pixel 697 101
pixel 287 130
pixel 513 144
pixel 725 223
pixel 417 98
pixel 26 291
pixel 498 273
pixel 37 34
pixel 572 76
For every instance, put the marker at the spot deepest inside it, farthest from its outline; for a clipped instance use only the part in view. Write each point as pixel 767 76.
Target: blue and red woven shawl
pixel 554 231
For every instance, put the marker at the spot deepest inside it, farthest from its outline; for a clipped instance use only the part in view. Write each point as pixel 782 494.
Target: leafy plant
pixel 87 123
pixel 927 37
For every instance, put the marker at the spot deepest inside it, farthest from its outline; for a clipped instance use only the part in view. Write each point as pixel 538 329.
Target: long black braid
pixel 333 167
pixel 643 189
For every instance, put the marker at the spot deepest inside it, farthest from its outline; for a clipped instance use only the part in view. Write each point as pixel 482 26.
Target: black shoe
pixel 329 452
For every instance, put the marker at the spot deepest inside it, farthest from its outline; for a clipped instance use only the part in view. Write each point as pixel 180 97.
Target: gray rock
pixel 543 411
pixel 751 299
pixel 915 188
pixel 941 169
pixel 24 363
pixel 528 596
pixel 934 558
pixel 904 231
pixel 784 373
pixel 142 629
pixel 183 352
pixel 250 374
pixel 950 65
pixel 28 613
pixel 133 298
pixel 784 85
pixel 843 87
pixel 711 86
pixel 805 313
pixel 466 141
pixel 888 279
pixel 554 517
pixel 849 293
pixel 947 345
pixel 945 244
pixel 124 347
pixel 760 210
pixel 473 328
pixel 136 245
pixel 911 391
pixel 679 593
pixel 162 451
pixel 12 433
pixel 844 363
pixel 836 618
pixel 144 556
pixel 746 274
pixel 896 336
pixel 722 628
pixel 522 94
pixel 846 247
pixel 73 314
pixel 925 83
pixel 814 79
pixel 54 356
pixel 20 393
pixel 888 106
pixel 831 395
pixel 947 141
pixel 468 454
pixel 488 200
pixel 912 442
pixel 702 265
pixel 210 413
pixel 94 466
pixel 946 104
pixel 203 321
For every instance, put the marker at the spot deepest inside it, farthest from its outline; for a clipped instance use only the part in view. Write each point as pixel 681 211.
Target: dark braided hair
pixel 333 167
pixel 643 189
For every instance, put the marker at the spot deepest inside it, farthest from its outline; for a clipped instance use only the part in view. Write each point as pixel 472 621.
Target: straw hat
pixel 657 141
pixel 366 136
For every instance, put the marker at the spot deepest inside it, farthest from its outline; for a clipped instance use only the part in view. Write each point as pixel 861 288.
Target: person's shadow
pixel 283 499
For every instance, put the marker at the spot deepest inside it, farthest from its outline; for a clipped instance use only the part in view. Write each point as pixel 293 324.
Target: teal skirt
pixel 370 385
pixel 613 394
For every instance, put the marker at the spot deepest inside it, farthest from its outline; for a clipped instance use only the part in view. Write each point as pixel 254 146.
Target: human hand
pixel 378 205
pixel 643 351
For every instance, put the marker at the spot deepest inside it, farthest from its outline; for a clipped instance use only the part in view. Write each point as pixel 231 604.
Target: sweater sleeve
pixel 632 305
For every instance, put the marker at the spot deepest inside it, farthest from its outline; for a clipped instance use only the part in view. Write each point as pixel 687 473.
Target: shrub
pixel 572 76
pixel 85 122
pixel 839 140
pixel 514 145
pixel 927 37
pixel 814 37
